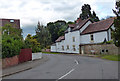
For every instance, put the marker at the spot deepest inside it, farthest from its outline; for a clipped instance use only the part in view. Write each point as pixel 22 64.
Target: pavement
pixel 23 66
pixel 70 67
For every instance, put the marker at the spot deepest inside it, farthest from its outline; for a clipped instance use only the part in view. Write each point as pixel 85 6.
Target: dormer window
pixel 11 20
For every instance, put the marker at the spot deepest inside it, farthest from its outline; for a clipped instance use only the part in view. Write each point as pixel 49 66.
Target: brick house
pixel 14 22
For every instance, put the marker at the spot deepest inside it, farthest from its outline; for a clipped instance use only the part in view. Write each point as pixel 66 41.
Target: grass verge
pixel 110 57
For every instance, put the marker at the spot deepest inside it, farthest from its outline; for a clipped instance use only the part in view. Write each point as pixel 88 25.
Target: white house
pixel 83 32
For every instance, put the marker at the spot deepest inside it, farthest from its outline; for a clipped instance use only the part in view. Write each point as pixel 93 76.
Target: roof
pixel 53 44
pixel 71 25
pixel 80 24
pixel 60 38
pixel 99 26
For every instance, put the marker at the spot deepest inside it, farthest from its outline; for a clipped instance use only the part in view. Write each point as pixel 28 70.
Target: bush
pixel 10 47
pixel 110 42
pixel 32 43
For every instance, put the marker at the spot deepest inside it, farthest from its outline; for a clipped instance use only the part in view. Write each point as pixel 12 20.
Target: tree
pixel 42 35
pixel 57 29
pixel 32 43
pixel 12 41
pixel 12 32
pixel 86 13
pixel 116 33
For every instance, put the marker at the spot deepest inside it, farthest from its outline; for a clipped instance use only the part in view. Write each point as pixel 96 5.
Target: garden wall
pixel 25 55
pixel 36 56
pixel 99 49
pixel 7 62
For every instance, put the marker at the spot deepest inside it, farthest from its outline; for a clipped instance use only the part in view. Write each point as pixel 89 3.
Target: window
pixel 92 38
pixel 62 47
pixel 67 46
pixel 11 21
pixel 74 48
pixel 73 39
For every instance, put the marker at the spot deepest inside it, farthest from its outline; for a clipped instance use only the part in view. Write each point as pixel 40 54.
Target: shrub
pixel 10 47
pixel 32 43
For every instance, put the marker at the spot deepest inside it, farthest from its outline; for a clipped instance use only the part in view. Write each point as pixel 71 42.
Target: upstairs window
pixel 73 39
pixel 92 37
pixel 11 20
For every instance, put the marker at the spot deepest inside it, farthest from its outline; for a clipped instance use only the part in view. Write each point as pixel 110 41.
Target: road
pixel 71 67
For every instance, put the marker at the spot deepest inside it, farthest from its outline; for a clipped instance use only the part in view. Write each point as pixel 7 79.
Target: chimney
pixel 78 20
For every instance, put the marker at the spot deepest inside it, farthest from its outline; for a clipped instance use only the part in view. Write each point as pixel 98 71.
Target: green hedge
pixel 11 47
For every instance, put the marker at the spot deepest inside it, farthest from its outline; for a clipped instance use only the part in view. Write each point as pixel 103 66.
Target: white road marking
pixel 76 62
pixel 66 74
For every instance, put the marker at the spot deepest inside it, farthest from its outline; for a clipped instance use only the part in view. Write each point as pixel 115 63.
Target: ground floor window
pixel 74 48
pixel 62 47
pixel 67 47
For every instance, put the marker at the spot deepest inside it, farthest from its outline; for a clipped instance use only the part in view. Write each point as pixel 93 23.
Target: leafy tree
pixel 32 43
pixel 116 32
pixel 42 35
pixel 12 32
pixel 86 13
pixel 57 29
pixel 11 41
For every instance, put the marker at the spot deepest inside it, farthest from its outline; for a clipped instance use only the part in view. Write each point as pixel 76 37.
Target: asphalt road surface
pixel 71 67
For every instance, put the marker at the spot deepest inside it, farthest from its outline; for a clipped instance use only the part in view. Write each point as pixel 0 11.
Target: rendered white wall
pixel 98 37
pixel 53 48
pixel 69 41
pixel 85 26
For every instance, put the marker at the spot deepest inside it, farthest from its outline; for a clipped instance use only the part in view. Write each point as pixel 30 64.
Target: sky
pixel 31 11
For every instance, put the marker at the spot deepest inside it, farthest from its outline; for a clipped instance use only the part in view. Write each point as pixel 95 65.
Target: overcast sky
pixel 31 11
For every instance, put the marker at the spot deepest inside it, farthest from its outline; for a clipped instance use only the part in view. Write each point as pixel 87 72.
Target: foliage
pixel 116 32
pixel 86 13
pixel 57 29
pixel 11 41
pixel 13 32
pixel 10 47
pixel 42 35
pixel 108 42
pixel 32 43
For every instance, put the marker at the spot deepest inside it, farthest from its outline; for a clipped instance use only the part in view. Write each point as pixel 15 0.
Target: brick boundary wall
pixel 7 62
pixel 100 49
pixel 25 55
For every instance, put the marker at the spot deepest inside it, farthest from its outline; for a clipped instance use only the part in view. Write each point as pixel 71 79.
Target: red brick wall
pixel 25 55
pixel 7 62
